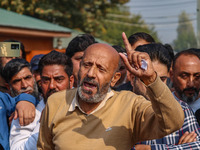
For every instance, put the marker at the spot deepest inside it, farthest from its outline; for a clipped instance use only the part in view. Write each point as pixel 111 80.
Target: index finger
pixel 126 43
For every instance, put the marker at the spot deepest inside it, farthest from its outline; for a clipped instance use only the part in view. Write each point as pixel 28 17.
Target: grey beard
pixel 35 92
pixel 99 96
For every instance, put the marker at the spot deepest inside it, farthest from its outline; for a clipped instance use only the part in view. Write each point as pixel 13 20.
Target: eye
pixel 101 69
pixel 28 77
pixel 86 65
pixel 163 78
pixel 78 58
pixel 197 77
pixel 184 76
pixel 16 81
pixel 59 80
pixel 45 80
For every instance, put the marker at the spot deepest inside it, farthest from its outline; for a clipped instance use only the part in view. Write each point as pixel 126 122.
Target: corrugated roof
pixel 12 19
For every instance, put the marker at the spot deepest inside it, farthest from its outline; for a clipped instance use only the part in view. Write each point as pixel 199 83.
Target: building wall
pixel 31 43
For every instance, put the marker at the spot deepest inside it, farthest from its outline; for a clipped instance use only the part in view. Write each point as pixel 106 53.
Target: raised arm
pixel 165 114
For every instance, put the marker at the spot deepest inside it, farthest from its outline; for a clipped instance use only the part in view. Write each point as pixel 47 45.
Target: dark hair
pixel 79 44
pixel 191 51
pixel 56 58
pixel 21 47
pixel 119 49
pixel 140 36
pixel 196 50
pixel 160 52
pixel 13 67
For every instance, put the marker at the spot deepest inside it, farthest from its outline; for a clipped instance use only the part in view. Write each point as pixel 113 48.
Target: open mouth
pixel 89 86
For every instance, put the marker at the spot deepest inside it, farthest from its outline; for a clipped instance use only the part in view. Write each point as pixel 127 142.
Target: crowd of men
pixel 97 96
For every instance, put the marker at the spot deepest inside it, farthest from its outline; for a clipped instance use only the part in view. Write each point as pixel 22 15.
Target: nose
pixel 190 81
pixel 24 84
pixel 52 84
pixel 91 72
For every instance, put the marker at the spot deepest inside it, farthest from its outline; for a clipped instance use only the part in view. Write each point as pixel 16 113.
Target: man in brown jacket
pixel 95 117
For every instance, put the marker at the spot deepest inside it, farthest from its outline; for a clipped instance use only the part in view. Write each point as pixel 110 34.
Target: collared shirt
pixel 75 103
pixel 170 142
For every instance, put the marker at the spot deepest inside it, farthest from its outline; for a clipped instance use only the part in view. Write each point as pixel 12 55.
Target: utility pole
pixel 198 23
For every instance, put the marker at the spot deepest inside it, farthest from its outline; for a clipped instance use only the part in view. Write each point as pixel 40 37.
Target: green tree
pixel 97 17
pixel 85 15
pixel 185 34
pixel 120 20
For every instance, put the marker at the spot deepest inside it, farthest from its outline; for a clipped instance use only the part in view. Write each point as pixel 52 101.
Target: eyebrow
pixel 53 77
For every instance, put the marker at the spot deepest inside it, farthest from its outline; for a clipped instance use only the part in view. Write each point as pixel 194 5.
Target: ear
pixel 115 78
pixel 71 81
pixel 132 78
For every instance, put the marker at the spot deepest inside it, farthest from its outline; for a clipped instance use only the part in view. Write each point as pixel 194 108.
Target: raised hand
pixel 133 62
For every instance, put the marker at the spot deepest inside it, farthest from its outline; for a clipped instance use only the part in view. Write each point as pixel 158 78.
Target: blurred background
pixel 45 25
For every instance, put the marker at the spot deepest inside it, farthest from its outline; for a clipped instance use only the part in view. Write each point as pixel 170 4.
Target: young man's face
pixel 54 79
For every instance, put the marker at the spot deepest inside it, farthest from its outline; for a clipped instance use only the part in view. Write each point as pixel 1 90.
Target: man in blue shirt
pixel 25 110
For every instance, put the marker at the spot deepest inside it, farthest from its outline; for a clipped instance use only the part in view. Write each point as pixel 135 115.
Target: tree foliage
pixel 90 16
pixel 85 15
pixel 185 34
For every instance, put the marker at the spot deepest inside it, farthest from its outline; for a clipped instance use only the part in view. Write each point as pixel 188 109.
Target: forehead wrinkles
pixel 22 73
pixel 98 58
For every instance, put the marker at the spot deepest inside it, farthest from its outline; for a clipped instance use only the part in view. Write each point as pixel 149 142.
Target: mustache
pixel 91 81
pixel 190 88
pixel 24 90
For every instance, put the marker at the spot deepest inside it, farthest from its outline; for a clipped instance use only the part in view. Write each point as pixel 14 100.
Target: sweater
pixel 125 119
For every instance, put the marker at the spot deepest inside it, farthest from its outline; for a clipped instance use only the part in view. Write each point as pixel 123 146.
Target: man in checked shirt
pixel 188 136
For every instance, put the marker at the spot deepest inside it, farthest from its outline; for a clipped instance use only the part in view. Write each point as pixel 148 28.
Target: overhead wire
pixel 164 16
